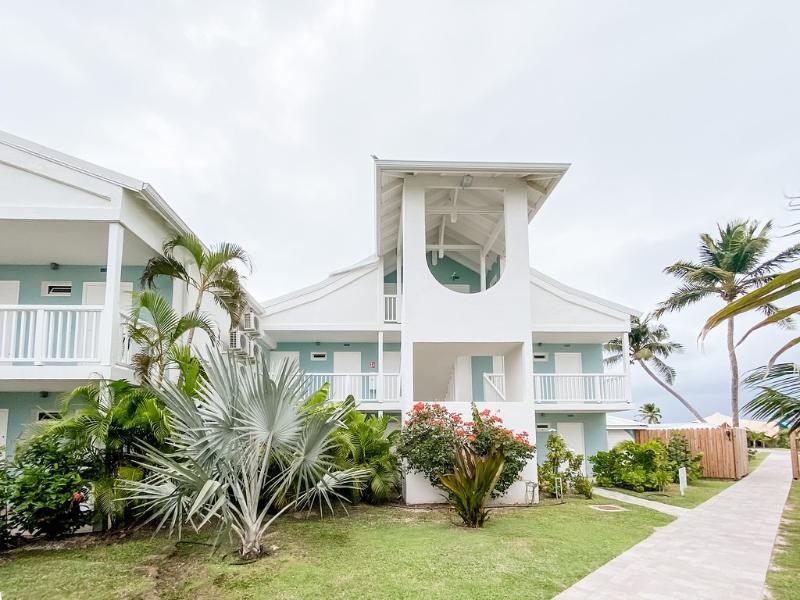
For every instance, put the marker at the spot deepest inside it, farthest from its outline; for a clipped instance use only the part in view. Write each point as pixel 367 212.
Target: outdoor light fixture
pixel 455 276
pixel 54 266
pixel 466 181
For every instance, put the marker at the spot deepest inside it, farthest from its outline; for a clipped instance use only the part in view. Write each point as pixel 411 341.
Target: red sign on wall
pixel 372 364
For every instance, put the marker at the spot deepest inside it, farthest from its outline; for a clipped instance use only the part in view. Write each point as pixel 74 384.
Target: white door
pixel 391 362
pixel 3 430
pixel 278 358
pixel 568 388
pixel 347 363
pixel 94 294
pixel 9 294
pixel 572 434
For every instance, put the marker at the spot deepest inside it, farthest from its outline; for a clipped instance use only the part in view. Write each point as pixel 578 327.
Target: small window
pixel 57 288
pixel 543 427
pixel 46 415
pixel 540 356
pixel 319 356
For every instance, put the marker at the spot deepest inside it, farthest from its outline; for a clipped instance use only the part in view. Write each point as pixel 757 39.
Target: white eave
pixel 538 278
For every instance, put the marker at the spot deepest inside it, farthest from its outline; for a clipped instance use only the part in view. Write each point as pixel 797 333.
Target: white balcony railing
pixel 362 386
pixel 48 334
pixel 391 308
pixel 583 387
pixel 494 387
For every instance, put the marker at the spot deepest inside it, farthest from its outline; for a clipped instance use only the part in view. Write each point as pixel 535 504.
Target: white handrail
pixel 391 308
pixel 579 387
pixel 497 384
pixel 362 386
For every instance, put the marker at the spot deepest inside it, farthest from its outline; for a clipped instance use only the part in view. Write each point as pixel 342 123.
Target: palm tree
pixel 729 267
pixel 107 419
pixel 155 326
pixel 245 449
pixel 650 413
pixel 778 397
pixel 213 272
pixel 650 344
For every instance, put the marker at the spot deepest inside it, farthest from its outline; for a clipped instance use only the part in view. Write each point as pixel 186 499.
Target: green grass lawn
pixel 376 552
pixel 784 572
pixel 698 491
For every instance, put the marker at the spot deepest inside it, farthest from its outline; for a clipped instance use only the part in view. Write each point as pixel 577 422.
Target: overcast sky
pixel 256 122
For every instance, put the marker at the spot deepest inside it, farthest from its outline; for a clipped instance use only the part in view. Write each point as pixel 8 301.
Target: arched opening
pixel 465 236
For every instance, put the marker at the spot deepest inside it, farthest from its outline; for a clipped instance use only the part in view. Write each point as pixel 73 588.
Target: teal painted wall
pixel 30 279
pixel 595 437
pixel 591 356
pixel 23 408
pixel 368 350
pixel 480 365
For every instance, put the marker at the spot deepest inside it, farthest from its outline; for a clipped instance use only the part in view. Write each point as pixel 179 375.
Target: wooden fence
pixel 724 448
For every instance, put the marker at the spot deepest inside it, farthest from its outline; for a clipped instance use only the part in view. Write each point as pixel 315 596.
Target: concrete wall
pixel 369 354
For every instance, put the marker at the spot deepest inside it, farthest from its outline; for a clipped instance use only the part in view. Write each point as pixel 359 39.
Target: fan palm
pixel 778 394
pixel 155 326
pixel 364 444
pixel 214 272
pixel 106 419
pixel 650 413
pixel 649 344
pixel 730 266
pixel 246 448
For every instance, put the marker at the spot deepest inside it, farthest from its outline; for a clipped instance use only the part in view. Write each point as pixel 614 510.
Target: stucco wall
pixel 369 353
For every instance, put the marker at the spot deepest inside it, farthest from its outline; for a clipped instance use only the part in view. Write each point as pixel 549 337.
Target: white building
pixel 449 310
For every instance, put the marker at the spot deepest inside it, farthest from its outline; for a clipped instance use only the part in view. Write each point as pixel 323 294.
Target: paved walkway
pixel 675 511
pixel 719 550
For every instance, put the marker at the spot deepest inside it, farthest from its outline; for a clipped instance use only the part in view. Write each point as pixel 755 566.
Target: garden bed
pixel 387 552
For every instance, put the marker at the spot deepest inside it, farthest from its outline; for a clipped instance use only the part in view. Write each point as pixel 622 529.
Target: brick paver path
pixel 719 550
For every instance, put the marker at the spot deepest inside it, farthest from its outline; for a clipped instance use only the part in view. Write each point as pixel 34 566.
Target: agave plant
pixel 471 484
pixel 247 448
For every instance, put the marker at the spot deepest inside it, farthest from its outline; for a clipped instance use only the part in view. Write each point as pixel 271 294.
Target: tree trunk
pixel 734 375
pixel 680 398
pixel 196 309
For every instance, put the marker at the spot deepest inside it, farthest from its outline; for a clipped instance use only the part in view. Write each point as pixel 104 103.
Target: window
pixel 540 356
pixel 57 288
pixel 543 427
pixel 47 415
pixel 319 356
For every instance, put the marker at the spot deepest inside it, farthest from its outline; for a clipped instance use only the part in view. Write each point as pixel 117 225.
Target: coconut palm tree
pixel 214 272
pixel 155 326
pixel 649 413
pixel 649 344
pixel 246 447
pixel 778 394
pixel 730 266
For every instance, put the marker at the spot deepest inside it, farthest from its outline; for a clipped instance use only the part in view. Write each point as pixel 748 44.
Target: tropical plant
pixel 103 422
pixel 649 344
pixel 679 455
pixel 729 267
pixel 561 462
pixel 363 443
pixel 777 394
pixel 155 326
pixel 246 447
pixel 649 413
pixel 5 490
pixel 213 272
pixel 638 467
pixel 431 436
pixel 47 488
pixel 471 483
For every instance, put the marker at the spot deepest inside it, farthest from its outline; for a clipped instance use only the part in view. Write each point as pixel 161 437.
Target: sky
pixel 256 122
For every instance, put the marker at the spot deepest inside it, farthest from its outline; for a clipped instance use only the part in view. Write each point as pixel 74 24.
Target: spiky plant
pixel 730 266
pixel 246 448
pixel 650 345
pixel 470 484
pixel 212 271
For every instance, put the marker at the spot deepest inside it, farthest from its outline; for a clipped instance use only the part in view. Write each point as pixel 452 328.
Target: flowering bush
pixel 432 435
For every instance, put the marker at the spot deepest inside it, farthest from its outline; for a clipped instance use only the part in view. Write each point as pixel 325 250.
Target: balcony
pixel 362 386
pixel 579 391
pixel 50 335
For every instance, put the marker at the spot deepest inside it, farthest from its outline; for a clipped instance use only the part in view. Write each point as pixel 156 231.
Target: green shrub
pixel 48 487
pixel 679 455
pixel 562 462
pixel 432 435
pixel 5 517
pixel 471 484
pixel 638 467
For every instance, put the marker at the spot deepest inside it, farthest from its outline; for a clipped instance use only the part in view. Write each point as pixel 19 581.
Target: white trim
pixel 562 291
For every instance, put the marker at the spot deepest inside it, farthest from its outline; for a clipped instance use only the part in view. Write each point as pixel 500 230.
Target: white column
pixel 110 321
pixel 483 271
pixel 626 364
pixel 381 387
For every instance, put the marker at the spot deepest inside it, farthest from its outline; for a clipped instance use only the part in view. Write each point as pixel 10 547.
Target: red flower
pixel 436 421
pixel 469 424
pixel 457 419
pixel 460 433
pixel 495 419
pixel 471 438
pixel 77 496
pixel 418 407
pixel 485 413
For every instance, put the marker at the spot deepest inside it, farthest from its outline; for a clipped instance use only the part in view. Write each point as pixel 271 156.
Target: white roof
pixel 767 427
pixel 613 422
